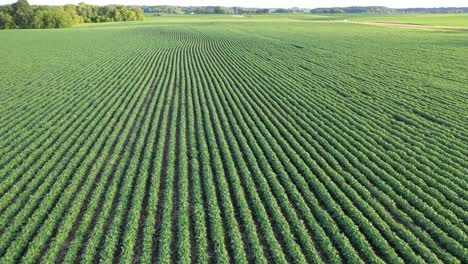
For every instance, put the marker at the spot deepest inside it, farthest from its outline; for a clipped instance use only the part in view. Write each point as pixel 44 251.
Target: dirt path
pixel 406 25
pixel 394 24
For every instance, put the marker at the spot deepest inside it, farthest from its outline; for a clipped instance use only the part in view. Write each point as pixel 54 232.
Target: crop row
pixel 200 145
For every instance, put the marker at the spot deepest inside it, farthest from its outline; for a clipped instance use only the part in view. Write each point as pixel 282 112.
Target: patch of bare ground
pixel 410 26
pixel 395 25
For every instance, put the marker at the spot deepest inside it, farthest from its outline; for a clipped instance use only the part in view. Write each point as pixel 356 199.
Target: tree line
pixel 353 9
pixel 437 10
pixel 23 15
pixel 168 9
pixel 386 10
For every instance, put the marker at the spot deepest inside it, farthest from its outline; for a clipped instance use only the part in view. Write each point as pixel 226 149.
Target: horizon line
pixel 229 6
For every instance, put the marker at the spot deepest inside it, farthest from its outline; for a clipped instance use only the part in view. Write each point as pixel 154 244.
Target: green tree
pixel 221 10
pixel 131 16
pixel 23 14
pixel 73 14
pixel 6 21
pixel 140 15
pixel 58 18
pixel 282 11
pixel 127 15
pixel 40 19
pixel 89 13
pixel 84 12
pixel 107 13
pixel 117 15
pixel 52 17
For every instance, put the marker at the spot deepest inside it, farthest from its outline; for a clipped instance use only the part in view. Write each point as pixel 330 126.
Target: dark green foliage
pixel 282 11
pixel 52 17
pixel 89 13
pixel 139 14
pixel 6 20
pixel 222 10
pixel 262 11
pixel 72 12
pixel 23 14
pixel 165 9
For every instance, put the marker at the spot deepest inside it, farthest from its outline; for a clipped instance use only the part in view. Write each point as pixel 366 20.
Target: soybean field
pixel 228 139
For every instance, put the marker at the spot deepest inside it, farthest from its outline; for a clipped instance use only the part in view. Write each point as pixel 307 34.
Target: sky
pixel 263 3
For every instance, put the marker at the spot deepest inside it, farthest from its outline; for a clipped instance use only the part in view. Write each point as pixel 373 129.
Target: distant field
pixel 457 20
pixel 448 20
pixel 218 139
